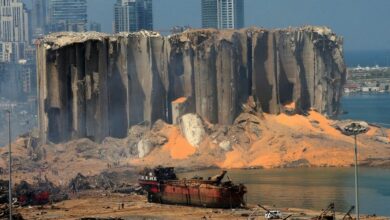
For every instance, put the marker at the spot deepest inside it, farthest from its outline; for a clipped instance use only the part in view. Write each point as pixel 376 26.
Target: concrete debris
pixel 114 182
pixel 382 139
pixel 192 128
pixel 129 189
pixel 251 107
pixel 180 107
pixel 149 138
pixel 144 148
pixel 94 85
pixel 225 145
pixel 324 31
pixel 246 118
pixel 245 130
pixel 80 182
pixel 61 39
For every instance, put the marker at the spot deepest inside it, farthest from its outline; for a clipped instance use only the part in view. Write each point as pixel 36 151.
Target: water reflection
pixel 313 188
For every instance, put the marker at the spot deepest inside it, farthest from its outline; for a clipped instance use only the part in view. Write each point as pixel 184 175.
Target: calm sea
pixel 374 108
pixel 367 58
pixel 313 188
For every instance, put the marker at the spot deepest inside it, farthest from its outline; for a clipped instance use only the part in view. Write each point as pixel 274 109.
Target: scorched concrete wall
pixel 95 85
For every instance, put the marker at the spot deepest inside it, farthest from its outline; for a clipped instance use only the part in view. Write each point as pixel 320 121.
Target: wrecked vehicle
pixel 163 186
pixel 40 193
pixel 27 195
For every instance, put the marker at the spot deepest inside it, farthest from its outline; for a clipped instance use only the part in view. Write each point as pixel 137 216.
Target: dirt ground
pixel 103 205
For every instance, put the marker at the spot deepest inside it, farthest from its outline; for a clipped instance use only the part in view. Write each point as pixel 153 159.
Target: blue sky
pixel 365 24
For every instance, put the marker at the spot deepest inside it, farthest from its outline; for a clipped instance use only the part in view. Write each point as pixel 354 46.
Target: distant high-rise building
pixel 68 15
pixel 94 26
pixel 133 15
pixel 145 14
pixel 14 30
pixel 38 17
pixel 13 21
pixel 209 14
pixel 223 14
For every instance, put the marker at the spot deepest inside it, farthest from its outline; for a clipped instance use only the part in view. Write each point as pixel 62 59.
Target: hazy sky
pixel 365 24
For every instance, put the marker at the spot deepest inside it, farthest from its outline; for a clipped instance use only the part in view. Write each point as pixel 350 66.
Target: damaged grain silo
pixel 96 85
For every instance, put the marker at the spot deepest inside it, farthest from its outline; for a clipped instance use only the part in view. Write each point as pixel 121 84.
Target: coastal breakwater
pixel 96 85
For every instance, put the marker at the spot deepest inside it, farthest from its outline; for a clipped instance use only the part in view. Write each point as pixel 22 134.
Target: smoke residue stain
pixel 178 146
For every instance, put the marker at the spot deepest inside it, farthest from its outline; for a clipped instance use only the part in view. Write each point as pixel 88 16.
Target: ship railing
pixel 148 178
pixel 192 182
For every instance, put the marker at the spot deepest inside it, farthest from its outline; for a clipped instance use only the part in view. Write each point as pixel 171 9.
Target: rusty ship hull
pixel 194 192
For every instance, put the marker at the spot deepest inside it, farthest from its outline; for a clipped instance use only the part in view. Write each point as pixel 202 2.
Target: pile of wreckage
pixel 39 193
pixel 104 181
pixel 25 194
pixel 44 192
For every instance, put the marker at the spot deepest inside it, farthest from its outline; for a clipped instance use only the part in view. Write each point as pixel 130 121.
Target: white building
pixel 38 18
pixel 370 89
pixel 223 14
pixel 68 15
pixel 13 21
pixel 133 15
pixel 230 14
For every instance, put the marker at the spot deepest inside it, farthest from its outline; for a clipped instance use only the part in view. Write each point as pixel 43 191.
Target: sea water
pixel 313 188
pixel 373 108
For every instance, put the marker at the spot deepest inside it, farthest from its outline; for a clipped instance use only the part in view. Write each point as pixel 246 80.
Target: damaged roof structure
pixel 96 85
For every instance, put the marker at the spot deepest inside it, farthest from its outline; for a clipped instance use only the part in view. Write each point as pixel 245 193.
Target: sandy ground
pixel 100 204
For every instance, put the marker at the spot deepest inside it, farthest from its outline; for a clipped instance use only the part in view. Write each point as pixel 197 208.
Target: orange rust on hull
pixel 211 193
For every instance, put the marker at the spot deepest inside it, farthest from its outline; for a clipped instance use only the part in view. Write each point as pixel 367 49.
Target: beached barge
pixel 163 186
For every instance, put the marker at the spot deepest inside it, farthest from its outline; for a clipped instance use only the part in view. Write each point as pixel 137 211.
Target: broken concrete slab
pixel 192 128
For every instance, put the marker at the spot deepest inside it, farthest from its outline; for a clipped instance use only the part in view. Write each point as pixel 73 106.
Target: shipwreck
pixel 163 186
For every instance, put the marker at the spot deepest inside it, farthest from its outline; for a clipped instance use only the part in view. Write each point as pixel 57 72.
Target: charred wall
pixel 95 85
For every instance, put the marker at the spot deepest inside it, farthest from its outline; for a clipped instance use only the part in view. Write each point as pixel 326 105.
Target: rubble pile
pixel 113 181
pixel 81 182
pixel 25 194
pixel 243 132
pixel 39 193
pixel 149 139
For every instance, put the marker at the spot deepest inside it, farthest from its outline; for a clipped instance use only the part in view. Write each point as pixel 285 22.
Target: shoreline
pixel 100 204
pixel 132 171
pixel 142 208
